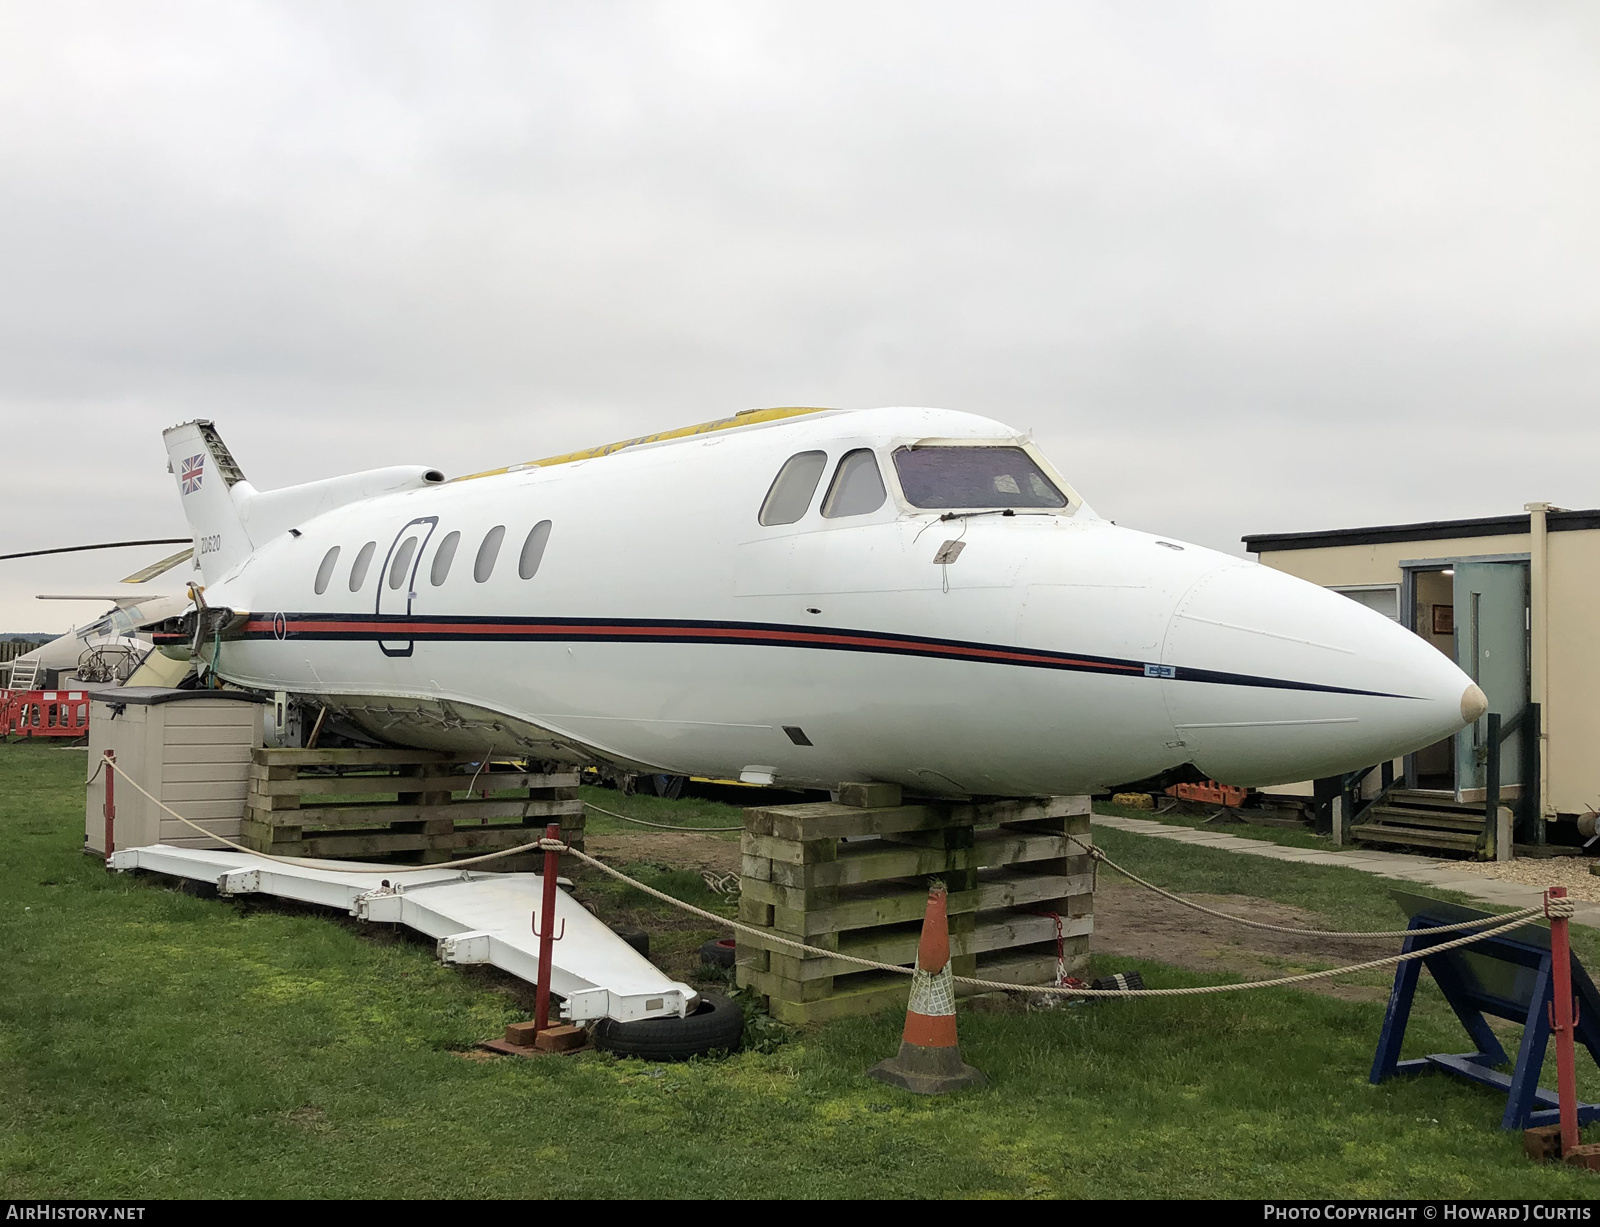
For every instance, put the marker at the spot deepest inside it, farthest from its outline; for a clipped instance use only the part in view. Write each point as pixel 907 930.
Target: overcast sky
pixel 1240 267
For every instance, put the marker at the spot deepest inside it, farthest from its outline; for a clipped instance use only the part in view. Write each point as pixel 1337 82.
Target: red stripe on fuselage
pixel 408 630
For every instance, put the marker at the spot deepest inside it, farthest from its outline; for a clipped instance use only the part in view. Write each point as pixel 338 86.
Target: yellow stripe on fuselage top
pixel 747 417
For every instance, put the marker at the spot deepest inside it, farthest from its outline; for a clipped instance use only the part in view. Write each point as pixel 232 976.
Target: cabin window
pixel 325 571
pixel 974 477
pixel 857 486
pixel 793 487
pixel 358 569
pixel 488 553
pixel 443 557
pixel 533 550
pixel 400 566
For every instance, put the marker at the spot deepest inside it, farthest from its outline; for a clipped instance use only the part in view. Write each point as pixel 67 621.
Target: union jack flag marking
pixel 193 471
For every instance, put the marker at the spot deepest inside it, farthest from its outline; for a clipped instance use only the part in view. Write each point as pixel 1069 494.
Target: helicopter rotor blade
pixel 104 545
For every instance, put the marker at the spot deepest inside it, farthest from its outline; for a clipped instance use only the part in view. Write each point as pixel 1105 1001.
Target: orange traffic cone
pixel 929 1060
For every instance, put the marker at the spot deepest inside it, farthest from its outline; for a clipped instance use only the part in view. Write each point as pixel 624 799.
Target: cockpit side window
pixel 793 487
pixel 945 477
pixel 857 486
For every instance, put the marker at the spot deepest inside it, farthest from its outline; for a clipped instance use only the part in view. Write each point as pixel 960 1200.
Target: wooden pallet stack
pixel 427 806
pixel 852 876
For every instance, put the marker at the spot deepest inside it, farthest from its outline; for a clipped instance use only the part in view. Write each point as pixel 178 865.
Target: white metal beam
pixel 475 917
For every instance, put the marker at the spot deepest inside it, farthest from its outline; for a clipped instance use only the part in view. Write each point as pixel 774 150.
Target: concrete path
pixel 1423 870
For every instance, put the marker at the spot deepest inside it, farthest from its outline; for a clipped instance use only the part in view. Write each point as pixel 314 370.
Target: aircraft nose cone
pixel 1277 680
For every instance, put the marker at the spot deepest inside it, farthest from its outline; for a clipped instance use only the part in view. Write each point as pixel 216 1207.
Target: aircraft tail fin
pixel 214 492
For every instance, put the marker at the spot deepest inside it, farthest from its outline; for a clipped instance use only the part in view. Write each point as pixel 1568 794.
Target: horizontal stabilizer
pixel 123 600
pixel 144 574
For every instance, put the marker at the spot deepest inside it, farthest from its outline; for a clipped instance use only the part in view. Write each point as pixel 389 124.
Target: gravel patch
pixel 1569 871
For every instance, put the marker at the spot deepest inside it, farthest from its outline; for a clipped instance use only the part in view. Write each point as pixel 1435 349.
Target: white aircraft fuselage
pixel 663 626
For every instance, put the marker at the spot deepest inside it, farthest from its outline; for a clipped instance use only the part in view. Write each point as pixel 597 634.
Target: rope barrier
pixel 1280 982
pixel 301 862
pixel 660 826
pixel 1517 919
pixel 1554 907
pixel 1099 855
pixel 306 863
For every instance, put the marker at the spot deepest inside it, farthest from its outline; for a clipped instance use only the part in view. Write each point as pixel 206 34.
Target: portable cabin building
pixel 1515 601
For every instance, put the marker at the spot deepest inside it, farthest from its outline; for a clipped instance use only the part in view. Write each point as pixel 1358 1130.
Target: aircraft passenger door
pixel 1491 618
pixel 397 580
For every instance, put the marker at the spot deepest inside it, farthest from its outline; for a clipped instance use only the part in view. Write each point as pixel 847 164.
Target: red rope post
pixel 111 804
pixel 546 933
pixel 1562 1025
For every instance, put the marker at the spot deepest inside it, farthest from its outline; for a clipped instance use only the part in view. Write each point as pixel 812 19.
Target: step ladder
pixel 24 673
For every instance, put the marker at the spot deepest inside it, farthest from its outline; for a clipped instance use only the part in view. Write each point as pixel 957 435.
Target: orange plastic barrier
pixel 1210 793
pixel 44 713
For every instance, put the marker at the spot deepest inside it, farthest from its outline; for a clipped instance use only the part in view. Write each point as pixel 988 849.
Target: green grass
pixel 153 1044
pixel 1289 837
pixel 1346 898
pixel 688 812
pixel 1343 899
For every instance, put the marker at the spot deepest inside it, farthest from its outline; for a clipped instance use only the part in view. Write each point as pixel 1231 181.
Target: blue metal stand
pixel 1507 976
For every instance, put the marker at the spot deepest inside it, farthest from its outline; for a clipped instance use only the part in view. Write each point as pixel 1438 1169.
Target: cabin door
pixel 397 581
pixel 1491 624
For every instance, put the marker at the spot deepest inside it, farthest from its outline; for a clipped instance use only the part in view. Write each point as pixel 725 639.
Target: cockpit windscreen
pixel 974 477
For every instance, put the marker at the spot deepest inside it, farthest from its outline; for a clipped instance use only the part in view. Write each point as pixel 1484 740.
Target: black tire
pixel 1119 982
pixel 638 939
pixel 717 1025
pixel 668 786
pixel 718 952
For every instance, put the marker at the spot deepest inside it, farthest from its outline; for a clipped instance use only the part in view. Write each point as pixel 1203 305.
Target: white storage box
pixel 190 748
